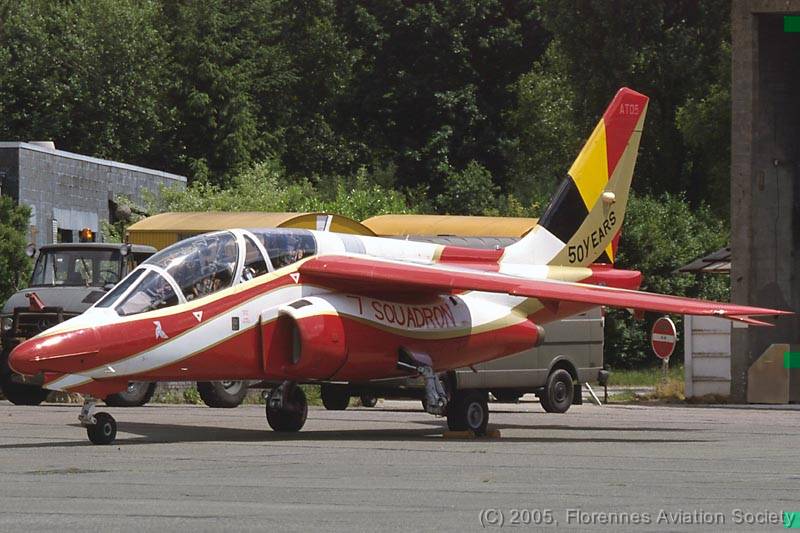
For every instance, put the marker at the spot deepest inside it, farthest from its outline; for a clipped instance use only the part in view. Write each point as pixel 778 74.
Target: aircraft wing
pixel 376 276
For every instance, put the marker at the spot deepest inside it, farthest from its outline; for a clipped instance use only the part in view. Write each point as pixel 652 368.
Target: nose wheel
pixel 100 427
pixel 287 408
pixel 104 431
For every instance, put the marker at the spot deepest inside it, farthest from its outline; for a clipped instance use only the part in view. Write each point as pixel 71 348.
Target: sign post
pixel 663 338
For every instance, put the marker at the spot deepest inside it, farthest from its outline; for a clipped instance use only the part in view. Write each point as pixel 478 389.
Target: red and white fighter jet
pixel 298 306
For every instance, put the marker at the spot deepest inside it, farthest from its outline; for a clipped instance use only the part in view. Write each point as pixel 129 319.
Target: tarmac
pixel 610 468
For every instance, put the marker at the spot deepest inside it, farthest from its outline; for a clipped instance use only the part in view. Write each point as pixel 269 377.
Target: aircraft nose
pixel 68 352
pixel 21 358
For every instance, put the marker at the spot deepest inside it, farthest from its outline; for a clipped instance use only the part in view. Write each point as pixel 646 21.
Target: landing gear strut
pixel 287 408
pixel 101 427
pixel 435 401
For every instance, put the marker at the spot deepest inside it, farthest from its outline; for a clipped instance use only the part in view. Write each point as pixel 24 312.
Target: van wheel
pixel 558 391
pixel 368 401
pixel 468 410
pixel 222 394
pixel 334 397
pixel 137 394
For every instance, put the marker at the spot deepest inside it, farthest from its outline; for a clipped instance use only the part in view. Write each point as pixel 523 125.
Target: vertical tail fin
pixel 582 223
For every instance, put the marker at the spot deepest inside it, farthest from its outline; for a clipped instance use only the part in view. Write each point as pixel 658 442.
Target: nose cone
pixel 21 358
pixel 69 352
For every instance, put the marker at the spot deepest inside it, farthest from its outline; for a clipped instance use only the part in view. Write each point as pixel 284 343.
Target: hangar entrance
pixel 765 193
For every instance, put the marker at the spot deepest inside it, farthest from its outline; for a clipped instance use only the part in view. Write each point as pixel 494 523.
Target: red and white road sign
pixel 663 337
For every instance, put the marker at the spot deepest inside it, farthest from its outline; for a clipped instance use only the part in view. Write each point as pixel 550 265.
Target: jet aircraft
pixel 292 306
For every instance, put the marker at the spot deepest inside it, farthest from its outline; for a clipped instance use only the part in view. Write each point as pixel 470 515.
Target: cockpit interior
pixel 196 267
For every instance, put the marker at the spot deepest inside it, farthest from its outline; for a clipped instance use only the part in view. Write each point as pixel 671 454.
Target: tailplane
pixel 583 221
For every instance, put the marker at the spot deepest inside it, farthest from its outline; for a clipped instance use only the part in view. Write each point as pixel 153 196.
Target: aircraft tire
pixel 468 411
pixel 222 394
pixel 137 394
pixel 104 431
pixel 292 417
pixel 558 392
pixel 368 401
pixel 334 397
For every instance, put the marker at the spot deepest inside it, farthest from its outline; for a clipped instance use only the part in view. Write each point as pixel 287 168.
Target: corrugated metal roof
pixel 201 222
pixel 718 262
pixel 462 226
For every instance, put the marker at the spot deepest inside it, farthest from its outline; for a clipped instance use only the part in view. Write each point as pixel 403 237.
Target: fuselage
pixel 279 326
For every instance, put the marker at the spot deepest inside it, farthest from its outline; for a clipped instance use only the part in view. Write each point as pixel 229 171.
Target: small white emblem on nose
pixel 198 315
pixel 159 330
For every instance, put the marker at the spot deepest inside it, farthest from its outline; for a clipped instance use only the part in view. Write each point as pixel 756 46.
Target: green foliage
pixel 469 192
pixel 674 52
pixel 191 396
pixel 361 108
pixel 547 139
pixel 88 74
pixel 265 187
pixel 14 263
pixel 661 235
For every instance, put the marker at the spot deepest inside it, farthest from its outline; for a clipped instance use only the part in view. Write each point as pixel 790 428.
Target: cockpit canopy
pixel 202 265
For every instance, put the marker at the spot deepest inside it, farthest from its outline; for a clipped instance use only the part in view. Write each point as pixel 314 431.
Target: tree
pixel 660 235
pixel 432 80
pixel 14 262
pixel 227 82
pixel 673 51
pixel 89 75
pixel 469 192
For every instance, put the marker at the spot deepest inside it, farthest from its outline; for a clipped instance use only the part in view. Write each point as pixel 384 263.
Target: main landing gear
pixel 466 410
pixel 287 408
pixel 101 427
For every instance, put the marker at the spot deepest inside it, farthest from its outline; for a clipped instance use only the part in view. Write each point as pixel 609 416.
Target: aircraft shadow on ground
pixel 157 433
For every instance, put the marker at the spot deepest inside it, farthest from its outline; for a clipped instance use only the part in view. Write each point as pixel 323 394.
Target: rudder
pixel 582 222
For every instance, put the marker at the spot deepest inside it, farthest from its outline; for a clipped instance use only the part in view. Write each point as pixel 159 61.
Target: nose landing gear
pixel 287 408
pixel 100 427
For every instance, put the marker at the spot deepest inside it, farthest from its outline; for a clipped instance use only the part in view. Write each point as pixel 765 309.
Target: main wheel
pixel 468 410
pixel 368 401
pixel 137 394
pixel 292 416
pixel 222 394
pixel 558 391
pixel 104 431
pixel 334 397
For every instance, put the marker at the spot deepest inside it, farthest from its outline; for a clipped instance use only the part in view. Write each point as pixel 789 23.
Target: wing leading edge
pixel 368 275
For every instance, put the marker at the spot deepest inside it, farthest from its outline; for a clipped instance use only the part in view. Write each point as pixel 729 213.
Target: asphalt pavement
pixel 611 468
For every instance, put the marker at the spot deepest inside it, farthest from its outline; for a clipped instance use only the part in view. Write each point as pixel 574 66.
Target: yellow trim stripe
pixel 590 169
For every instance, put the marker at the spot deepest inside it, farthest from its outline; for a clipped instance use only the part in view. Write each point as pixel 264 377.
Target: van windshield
pixel 77 267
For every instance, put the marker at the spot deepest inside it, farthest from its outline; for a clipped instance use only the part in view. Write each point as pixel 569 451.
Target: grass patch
pixel 669 391
pixel 312 394
pixel 644 377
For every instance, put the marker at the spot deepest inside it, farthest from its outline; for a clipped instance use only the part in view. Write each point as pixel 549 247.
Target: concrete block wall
pixel 72 188
pixel 765 193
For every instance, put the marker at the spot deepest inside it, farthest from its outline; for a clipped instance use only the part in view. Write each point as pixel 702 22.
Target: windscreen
pixel 286 246
pixel 154 292
pixel 77 268
pixel 200 265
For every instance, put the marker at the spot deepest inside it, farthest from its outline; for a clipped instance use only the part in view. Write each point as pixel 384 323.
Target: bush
pixel 14 263
pixel 265 187
pixel 661 235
